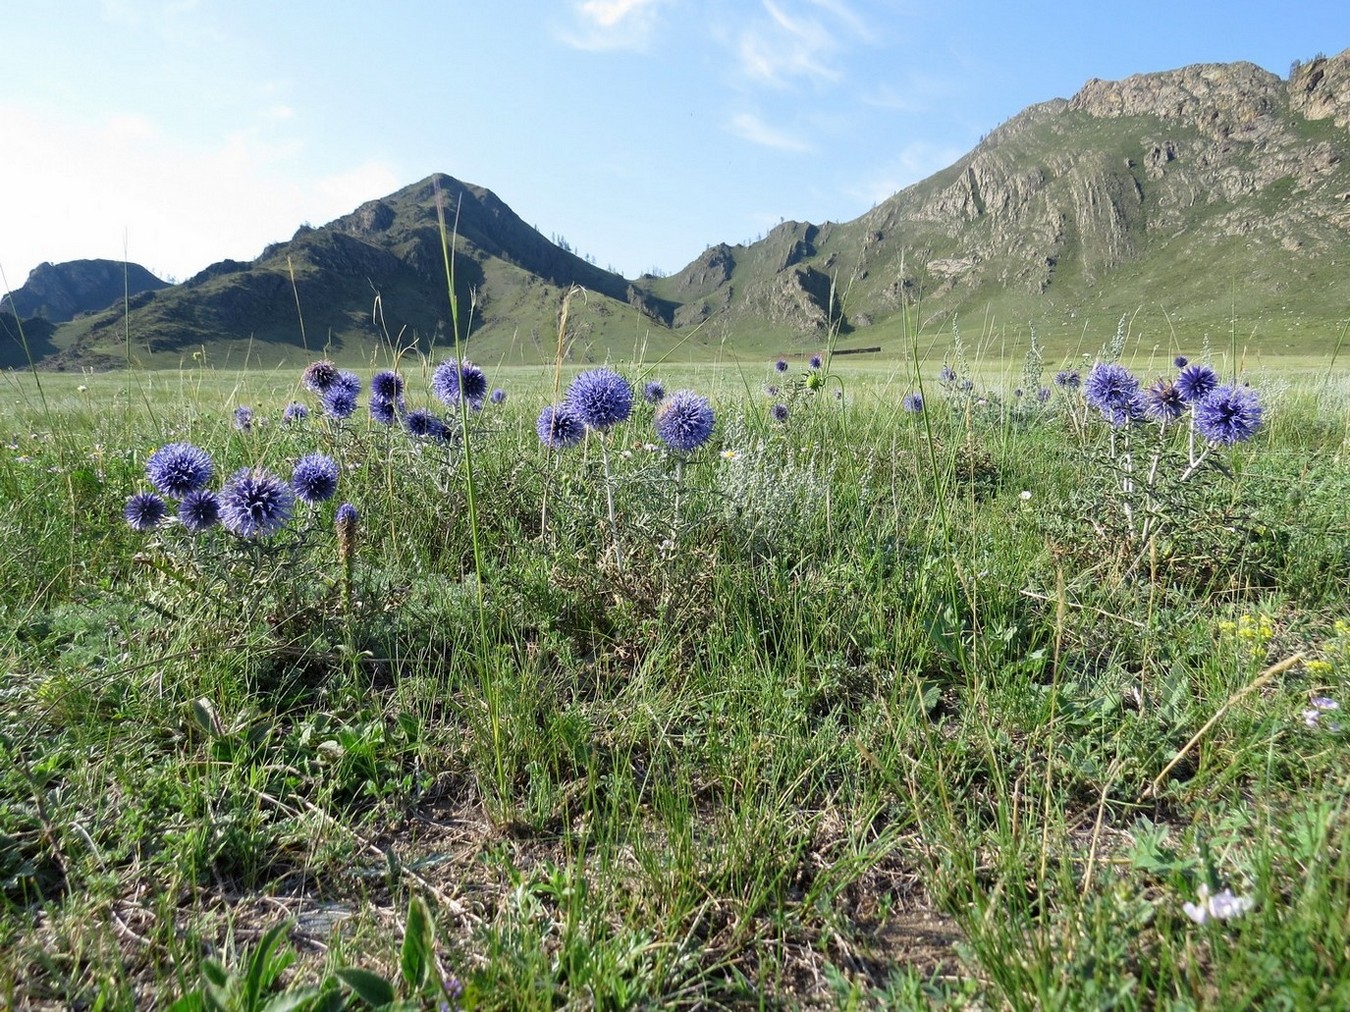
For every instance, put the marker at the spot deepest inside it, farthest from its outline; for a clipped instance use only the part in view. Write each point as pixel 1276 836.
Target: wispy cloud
pixel 914 162
pixel 797 43
pixel 750 127
pixel 612 24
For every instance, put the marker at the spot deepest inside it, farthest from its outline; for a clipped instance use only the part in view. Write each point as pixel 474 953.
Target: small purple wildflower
pixel 1228 415
pixel 1068 379
pixel 947 375
pixel 498 396
pixel 315 478
pixel 424 425
pixel 339 401
pixel 319 376
pixel 601 398
pixel 385 412
pixel 199 511
pixel 1163 401
pixel 815 362
pixel 913 403
pixel 781 365
pixel 1180 361
pixel 1043 394
pixel 295 412
pixel 654 392
pixel 243 418
pixel 779 412
pixel 144 511
pixel 684 421
pixel 386 385
pixel 1112 390
pixel 1194 381
pixel 454 378
pixel 255 503
pixel 179 468
pixel 559 428
pixel 348 381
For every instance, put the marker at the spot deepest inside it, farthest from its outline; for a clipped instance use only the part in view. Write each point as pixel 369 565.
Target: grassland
pixel 871 708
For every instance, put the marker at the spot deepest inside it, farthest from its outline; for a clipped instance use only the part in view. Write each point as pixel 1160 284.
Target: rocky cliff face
pixel 60 292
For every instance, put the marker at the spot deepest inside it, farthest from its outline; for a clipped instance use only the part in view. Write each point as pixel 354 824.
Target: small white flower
pixel 1024 495
pixel 1223 906
pixel 729 454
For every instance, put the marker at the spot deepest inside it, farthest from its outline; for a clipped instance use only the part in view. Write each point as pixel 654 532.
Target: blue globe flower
pixel 1068 379
pixel 179 468
pixel 1180 361
pixel 1112 389
pixel 243 418
pixel 315 478
pixel 684 421
pixel 319 376
pixel 1194 381
pixel 779 412
pixel 498 396
pixel 601 398
pixel 454 379
pixel 422 424
pixel 348 381
pixel 559 428
pixel 255 503
pixel 295 412
pixel 815 362
pixel 144 511
pixel 199 511
pixel 947 375
pixel 912 403
pixel 654 392
pixel 346 515
pixel 1163 401
pixel 386 385
pixel 781 365
pixel 1228 415
pixel 339 401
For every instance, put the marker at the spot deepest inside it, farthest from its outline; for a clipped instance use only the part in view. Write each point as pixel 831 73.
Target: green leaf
pixel 188 1003
pixel 371 988
pixel 418 942
pixel 292 1000
pixel 262 968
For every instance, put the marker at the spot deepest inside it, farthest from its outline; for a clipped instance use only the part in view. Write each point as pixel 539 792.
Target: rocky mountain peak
pixel 1320 89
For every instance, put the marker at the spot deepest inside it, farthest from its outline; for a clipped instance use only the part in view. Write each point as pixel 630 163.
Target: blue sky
pixel 180 132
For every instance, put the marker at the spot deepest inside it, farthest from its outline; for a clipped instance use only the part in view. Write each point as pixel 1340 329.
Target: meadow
pixel 915 683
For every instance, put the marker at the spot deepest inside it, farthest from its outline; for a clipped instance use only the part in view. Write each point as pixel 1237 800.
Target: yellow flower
pixel 1319 668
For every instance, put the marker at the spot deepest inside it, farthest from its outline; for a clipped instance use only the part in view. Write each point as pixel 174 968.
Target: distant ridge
pixel 1215 196
pixel 58 293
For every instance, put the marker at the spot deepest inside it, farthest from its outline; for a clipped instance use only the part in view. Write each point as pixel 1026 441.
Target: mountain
pixel 1205 201
pixel 60 292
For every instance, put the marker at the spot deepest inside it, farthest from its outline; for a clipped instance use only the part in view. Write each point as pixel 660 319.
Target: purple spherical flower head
pixel 1228 415
pixel 779 412
pixel 1111 389
pixel 144 511
pixel 781 365
pixel 1180 361
pixel 913 403
pixel 653 392
pixel 199 511
pixel 453 379
pixel 498 396
pixel 243 418
pixel 771 390
pixel 346 514
pixel 385 412
pixel 1043 394
pixel 1163 401
pixel 424 425
pixel 684 421
pixel 1068 379
pixel 559 428
pixel 295 412
pixel 255 503
pixel 1194 381
pixel 386 385
pixel 947 375
pixel 179 468
pixel 601 398
pixel 319 376
pixel 815 362
pixel 339 401
pixel 348 381
pixel 315 478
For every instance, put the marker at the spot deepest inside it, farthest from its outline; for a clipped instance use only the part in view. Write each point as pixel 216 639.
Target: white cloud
pixel 794 43
pixel 122 187
pixel 750 127
pixel 914 162
pixel 613 24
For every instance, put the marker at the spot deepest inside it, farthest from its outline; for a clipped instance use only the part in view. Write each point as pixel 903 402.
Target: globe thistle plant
pixel 1163 402
pixel 422 424
pixel 498 396
pixel 1228 415
pixel 179 468
pixel 349 382
pixel 385 412
pixel 294 412
pixel 779 412
pixel 199 511
pixel 654 392
pixel 558 428
pixel 144 511
pixel 781 365
pixel 243 418
pixel 815 362
pixel 1195 381
pixel 1112 390
pixel 386 385
pixel 315 478
pixel 319 376
pixel 339 401
pixel 255 503
pixel 454 379
pixel 601 398
pixel 913 403
pixel 684 421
